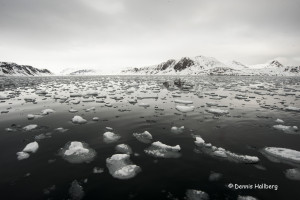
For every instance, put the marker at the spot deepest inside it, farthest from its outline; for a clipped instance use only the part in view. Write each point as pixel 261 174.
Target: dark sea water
pixel 245 130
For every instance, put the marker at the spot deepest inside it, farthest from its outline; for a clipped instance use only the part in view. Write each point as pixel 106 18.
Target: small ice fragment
pixel 110 137
pixel 61 129
pixel 196 195
pixel 78 120
pixel 98 170
pixel 22 155
pixel 119 166
pixel 286 129
pixel 183 101
pixel 31 147
pixel 76 191
pixel 160 150
pixel 279 121
pixel 95 118
pixel 177 130
pixel 47 111
pixel 246 198
pixel 291 108
pixel 30 127
pixel 185 109
pixel 217 111
pixel 73 110
pixel 144 137
pixel 145 105
pixel 30 116
pixel 109 128
pixel 293 174
pixel 123 148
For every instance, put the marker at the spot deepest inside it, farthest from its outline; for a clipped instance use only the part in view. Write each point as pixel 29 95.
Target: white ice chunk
pixel 110 137
pixel 144 137
pixel 30 116
pixel 291 108
pixel 123 148
pixel 286 129
pixel 77 152
pixel 78 120
pixel 196 195
pixel 22 155
pixel 283 154
pixel 47 111
pixel 185 109
pixel 246 198
pixel 279 121
pixel 30 127
pixel 119 166
pixel 217 111
pixel 183 101
pixel 158 149
pixel 177 130
pixel 145 105
pixel 95 119
pixel 73 110
pixel 31 147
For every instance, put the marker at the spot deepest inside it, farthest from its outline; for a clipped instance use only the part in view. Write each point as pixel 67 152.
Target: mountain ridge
pixel 13 69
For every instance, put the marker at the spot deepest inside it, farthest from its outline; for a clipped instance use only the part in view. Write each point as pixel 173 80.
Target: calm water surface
pixel 245 131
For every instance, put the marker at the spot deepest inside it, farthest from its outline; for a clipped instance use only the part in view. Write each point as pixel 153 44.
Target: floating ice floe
pixel 78 120
pixel 119 166
pixel 291 108
pixel 183 101
pixel 211 104
pixel 95 119
pixel 90 109
pixel 98 170
pixel 47 111
pixel 279 121
pixel 30 127
pixel 123 148
pixel 110 137
pixel 185 109
pixel 61 129
pixel 278 154
pixel 76 191
pixel 246 198
pixel 222 153
pixel 77 152
pixel 286 129
pixel 73 110
pixel 177 130
pixel 43 136
pixel 217 111
pixel 30 116
pixel 293 174
pixel 145 105
pixel 144 137
pixel 196 195
pixel 31 147
pixel 160 150
pixel 22 155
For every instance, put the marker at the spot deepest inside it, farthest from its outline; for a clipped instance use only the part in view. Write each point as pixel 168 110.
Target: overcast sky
pixel 113 34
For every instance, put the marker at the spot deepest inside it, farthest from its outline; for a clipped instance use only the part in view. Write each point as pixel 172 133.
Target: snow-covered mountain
pixel 78 71
pixel 13 69
pixel 202 65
